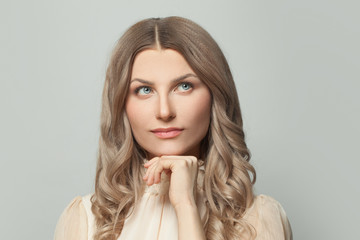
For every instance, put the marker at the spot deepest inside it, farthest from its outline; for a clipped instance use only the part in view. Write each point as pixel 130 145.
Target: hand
pixel 183 177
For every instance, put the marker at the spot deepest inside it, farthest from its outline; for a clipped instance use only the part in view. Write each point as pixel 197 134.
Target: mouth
pixel 165 133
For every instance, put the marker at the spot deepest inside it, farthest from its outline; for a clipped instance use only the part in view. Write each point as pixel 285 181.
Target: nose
pixel 165 110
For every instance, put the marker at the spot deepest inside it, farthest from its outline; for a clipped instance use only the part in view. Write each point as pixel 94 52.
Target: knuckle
pixel 183 163
pixel 158 168
pixel 192 161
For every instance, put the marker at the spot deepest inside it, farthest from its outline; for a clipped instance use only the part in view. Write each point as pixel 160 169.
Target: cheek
pixel 134 114
pixel 197 111
pixel 129 108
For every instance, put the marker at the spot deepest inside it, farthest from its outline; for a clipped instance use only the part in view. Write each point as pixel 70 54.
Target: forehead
pixel 154 64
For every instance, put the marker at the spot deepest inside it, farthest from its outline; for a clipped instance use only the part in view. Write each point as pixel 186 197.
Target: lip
pixel 166 133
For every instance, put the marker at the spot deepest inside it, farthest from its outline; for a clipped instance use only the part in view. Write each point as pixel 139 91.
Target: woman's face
pixel 167 105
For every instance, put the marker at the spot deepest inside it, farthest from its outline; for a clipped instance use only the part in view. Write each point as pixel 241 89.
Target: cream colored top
pixel 154 218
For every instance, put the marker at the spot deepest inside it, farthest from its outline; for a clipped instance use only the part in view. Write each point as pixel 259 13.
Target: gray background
pixel 296 65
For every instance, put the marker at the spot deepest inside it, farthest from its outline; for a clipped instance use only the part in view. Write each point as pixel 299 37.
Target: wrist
pixel 189 222
pixel 185 206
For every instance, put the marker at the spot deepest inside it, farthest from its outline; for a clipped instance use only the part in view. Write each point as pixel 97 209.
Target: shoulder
pixel 73 222
pixel 268 218
pixel 266 203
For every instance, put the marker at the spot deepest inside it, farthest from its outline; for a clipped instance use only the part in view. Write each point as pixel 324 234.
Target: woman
pixel 173 163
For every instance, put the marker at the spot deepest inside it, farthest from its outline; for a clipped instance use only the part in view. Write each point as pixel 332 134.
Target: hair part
pixel 228 177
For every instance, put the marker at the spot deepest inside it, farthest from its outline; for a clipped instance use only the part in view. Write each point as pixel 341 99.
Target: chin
pixel 167 151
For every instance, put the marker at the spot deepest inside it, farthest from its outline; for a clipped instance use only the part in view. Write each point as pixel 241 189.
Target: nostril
pixel 165 110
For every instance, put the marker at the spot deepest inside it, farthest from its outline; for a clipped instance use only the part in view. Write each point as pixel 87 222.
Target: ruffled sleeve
pixel 72 224
pixel 269 219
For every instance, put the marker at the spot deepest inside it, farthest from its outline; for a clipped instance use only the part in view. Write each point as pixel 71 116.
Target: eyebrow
pixel 178 79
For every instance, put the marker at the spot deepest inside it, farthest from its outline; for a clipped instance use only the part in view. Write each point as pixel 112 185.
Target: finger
pixel 146 175
pixel 150 174
pixel 150 162
pixel 157 172
pixel 148 165
pixel 167 172
pixel 190 160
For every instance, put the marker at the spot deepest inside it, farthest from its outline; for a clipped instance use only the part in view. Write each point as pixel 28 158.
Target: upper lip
pixel 166 129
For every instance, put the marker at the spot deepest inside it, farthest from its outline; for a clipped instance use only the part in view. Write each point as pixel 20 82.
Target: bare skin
pixel 168 108
pixel 183 172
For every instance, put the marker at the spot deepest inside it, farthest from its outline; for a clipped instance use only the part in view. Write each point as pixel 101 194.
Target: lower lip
pixel 169 134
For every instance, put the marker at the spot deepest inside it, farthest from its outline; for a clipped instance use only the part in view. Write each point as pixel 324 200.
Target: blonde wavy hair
pixel 228 177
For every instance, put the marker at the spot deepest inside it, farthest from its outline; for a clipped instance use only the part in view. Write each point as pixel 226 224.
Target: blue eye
pixel 143 90
pixel 184 86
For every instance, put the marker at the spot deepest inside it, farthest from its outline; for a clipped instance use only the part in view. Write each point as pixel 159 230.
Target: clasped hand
pixel 182 171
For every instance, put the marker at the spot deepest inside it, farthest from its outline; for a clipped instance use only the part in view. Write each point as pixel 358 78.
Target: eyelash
pixel 137 90
pixel 187 83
